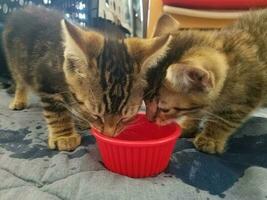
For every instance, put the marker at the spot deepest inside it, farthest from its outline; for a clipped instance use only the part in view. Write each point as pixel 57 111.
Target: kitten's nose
pixel 111 125
pixel 109 131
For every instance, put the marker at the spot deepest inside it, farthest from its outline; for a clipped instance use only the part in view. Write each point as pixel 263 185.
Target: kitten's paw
pixel 65 143
pixel 208 144
pixel 17 105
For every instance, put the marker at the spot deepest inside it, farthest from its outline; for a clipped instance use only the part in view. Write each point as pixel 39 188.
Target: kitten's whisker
pixel 218 117
pixel 73 103
pixel 92 95
pixel 75 113
pixel 202 119
pixel 148 93
pixel 134 125
pixel 63 92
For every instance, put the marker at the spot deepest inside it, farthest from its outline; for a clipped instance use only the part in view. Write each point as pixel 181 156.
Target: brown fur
pixel 214 77
pixel 76 72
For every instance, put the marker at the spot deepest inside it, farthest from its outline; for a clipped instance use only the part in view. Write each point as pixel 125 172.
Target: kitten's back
pixel 33 46
pixel 33 24
pixel 255 23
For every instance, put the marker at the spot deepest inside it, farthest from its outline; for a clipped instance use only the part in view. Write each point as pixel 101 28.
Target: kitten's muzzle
pixel 110 126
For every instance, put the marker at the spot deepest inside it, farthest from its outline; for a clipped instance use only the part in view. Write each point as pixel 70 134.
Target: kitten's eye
pixel 97 117
pixel 126 119
pixel 164 110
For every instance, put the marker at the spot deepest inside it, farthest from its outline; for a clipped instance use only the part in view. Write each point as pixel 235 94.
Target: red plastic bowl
pixel 143 149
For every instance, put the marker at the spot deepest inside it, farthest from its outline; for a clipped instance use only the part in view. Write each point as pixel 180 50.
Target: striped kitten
pixel 76 71
pixel 214 77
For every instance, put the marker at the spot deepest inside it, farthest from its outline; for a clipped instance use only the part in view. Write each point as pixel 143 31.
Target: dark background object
pixel 5 78
pixel 83 12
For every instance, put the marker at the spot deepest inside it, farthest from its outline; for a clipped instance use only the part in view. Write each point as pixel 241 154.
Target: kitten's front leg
pixel 219 127
pixel 213 138
pixel 20 99
pixel 62 134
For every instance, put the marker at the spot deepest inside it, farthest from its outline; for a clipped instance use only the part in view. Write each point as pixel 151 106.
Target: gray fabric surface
pixel 30 171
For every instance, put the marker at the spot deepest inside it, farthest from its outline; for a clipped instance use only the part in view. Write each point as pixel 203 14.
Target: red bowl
pixel 143 149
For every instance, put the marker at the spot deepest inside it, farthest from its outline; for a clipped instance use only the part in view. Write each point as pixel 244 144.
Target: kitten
pixel 214 79
pixel 76 71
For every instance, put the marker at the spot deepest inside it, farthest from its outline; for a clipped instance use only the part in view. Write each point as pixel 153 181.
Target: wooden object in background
pixel 190 18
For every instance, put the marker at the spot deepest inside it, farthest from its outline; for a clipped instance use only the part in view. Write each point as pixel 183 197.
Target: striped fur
pixel 78 73
pixel 116 71
pixel 214 79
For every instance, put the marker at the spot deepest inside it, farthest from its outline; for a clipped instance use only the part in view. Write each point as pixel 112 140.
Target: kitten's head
pixel 191 84
pixel 107 77
pixel 193 74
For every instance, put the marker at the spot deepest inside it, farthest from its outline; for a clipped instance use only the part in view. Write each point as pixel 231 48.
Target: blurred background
pixel 119 18
pixel 128 15
pixel 124 18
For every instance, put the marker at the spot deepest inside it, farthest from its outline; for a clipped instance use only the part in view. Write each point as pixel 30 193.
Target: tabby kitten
pixel 213 78
pixel 76 71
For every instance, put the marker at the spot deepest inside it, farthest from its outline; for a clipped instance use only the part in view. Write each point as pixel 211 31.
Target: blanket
pixel 31 171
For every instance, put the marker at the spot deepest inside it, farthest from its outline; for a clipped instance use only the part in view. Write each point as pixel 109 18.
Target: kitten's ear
pixel 148 52
pixel 165 24
pixel 81 42
pixel 187 78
